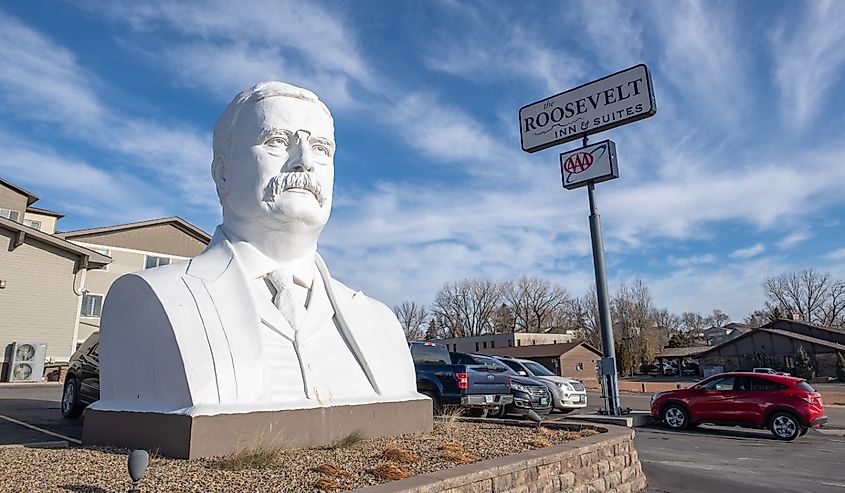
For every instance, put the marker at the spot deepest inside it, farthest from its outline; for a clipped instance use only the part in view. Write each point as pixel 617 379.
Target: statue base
pixel 191 437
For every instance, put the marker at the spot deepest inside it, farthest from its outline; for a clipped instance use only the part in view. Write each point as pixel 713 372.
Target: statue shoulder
pixel 163 282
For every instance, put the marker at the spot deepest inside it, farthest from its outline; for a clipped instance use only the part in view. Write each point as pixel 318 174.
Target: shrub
pixel 804 367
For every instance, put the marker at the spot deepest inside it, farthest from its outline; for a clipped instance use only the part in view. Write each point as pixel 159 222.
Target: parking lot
pixel 704 460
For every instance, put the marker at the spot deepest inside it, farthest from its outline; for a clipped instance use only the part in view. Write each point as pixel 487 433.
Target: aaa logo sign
pixel 593 163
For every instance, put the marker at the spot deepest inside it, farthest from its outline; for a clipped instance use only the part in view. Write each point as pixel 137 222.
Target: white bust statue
pixel 255 322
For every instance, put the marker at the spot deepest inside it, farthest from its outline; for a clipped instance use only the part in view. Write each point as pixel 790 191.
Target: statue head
pixel 274 160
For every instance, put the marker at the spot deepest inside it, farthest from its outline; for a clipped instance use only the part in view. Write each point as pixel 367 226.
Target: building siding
pixel 166 239
pixel 38 303
pixel 10 199
pixel 570 360
pixel 48 223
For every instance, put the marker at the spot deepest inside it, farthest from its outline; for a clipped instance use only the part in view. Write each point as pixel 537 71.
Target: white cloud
pixel 749 252
pixel 707 258
pixel 225 47
pixel 44 83
pixel 793 239
pixel 809 59
pixel 499 43
pixel 612 32
pixel 702 56
pixel 837 254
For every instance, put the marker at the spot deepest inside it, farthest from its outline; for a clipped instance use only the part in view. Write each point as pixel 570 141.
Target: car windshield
pixel 494 364
pixel 430 354
pixel 538 369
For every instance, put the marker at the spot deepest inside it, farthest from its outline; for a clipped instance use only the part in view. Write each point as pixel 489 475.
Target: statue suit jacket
pixel 185 338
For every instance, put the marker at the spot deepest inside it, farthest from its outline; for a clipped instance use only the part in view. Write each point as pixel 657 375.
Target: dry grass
pixel 454 452
pixel 396 453
pixel 390 471
pixel 539 442
pixel 327 484
pixel 248 459
pixel 332 470
pixel 545 431
pixel 348 441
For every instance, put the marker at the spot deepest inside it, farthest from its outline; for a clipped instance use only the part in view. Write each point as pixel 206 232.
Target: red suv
pixel 787 406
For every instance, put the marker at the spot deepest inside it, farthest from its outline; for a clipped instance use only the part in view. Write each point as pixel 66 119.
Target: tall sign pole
pixel 618 99
pixel 607 369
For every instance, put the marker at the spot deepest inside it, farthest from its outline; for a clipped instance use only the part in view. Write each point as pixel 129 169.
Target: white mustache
pixel 296 179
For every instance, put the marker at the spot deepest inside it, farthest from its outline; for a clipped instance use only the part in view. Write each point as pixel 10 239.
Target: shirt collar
pixel 257 265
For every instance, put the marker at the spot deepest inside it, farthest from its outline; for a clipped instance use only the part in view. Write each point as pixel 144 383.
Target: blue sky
pixel 107 111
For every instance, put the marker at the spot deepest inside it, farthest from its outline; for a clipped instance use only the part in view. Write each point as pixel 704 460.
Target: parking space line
pixel 42 430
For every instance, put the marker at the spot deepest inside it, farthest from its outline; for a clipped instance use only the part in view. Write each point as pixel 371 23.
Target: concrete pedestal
pixel 192 437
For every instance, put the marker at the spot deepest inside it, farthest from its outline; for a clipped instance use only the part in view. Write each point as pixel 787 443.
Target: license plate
pixel 544 401
pixel 582 398
pixel 488 399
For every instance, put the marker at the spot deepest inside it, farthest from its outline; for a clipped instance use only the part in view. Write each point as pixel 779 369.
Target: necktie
pixel 282 282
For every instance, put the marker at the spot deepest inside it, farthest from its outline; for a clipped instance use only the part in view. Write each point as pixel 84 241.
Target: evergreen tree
pixel 804 367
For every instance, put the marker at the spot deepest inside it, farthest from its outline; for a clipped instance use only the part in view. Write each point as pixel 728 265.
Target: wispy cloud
pixel 702 56
pixel 43 82
pixel 809 59
pixel 837 254
pixel 498 43
pixel 707 258
pixel 749 252
pixel 225 47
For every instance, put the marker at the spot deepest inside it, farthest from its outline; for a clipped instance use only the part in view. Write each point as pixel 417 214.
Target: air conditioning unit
pixel 27 362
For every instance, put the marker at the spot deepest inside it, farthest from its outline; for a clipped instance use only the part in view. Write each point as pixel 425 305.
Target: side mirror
pixel 696 387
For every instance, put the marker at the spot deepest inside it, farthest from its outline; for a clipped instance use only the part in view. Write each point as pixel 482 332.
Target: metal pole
pixel 609 382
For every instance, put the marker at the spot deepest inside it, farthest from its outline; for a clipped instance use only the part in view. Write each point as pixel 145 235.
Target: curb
pixel 57 444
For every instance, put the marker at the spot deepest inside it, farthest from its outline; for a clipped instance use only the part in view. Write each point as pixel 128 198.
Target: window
pixel 761 384
pixel 788 362
pixel 156 261
pixel 720 384
pixel 454 347
pixel 579 366
pixel 92 304
pixel 32 224
pixel 476 346
pixel 485 344
pixel 510 343
pixel 518 342
pixel 10 214
pixel 806 387
pixel 492 344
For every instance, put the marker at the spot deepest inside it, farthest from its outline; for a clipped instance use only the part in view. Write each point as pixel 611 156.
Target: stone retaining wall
pixel 607 462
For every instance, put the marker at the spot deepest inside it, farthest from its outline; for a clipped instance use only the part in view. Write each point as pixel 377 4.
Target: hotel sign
pixel 617 99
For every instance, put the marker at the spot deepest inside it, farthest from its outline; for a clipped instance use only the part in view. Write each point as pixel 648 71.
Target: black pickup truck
pixel 479 388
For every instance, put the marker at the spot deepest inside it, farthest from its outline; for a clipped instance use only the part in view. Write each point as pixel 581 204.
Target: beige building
pixel 504 340
pixel 41 279
pixel 132 247
pixel 52 285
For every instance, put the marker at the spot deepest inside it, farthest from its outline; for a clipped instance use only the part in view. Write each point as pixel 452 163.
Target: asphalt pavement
pixel 707 459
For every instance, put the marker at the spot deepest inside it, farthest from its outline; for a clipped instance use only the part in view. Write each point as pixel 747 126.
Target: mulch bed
pixel 349 464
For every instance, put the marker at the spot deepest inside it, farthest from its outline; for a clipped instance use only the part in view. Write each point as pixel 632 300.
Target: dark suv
pixel 82 382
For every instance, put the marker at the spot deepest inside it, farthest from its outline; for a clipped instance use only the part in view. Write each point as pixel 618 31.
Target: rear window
pixel 761 384
pixel 430 354
pixel 803 385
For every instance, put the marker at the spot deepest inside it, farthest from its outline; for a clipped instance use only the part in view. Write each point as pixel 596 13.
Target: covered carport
pixel 678 355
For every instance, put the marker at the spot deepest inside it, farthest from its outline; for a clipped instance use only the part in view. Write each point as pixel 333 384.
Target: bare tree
pixel 693 321
pixel 467 308
pixel 413 318
pixel 535 303
pixel 810 296
pixel 718 318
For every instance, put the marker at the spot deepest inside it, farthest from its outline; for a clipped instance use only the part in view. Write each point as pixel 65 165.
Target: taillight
pixel 463 380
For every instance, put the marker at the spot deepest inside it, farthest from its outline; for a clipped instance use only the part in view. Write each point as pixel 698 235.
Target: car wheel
pixel 785 426
pixel 675 417
pixel 71 408
pixel 436 406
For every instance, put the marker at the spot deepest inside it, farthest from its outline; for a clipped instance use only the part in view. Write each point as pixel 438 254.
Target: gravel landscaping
pixel 349 464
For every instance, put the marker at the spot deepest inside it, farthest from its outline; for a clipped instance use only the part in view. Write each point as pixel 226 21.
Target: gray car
pixel 568 394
